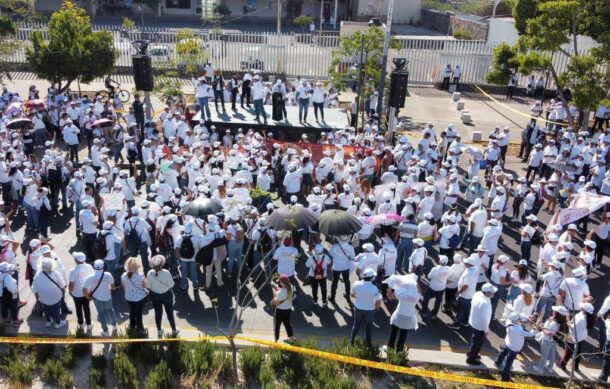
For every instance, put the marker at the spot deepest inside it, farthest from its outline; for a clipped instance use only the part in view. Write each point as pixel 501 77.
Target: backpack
pixel 187 250
pixel 134 238
pixel 165 240
pixel 318 270
pixel 454 241
pixel 99 247
pixel 536 239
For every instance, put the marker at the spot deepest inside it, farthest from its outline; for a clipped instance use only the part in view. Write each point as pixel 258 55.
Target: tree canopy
pixel 349 53
pixel 555 27
pixel 73 51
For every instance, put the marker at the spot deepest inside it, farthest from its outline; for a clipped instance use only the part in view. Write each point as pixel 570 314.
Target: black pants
pixel 545 171
pixel 531 169
pixel 402 338
pixel 219 94
pixel 450 299
pixel 245 95
pixel 73 153
pixel 476 342
pixel 89 242
pixel 82 307
pixel 333 285
pixel 234 93
pixel 353 120
pixel 316 107
pixel 503 150
pixel 282 316
pixel 456 81
pixel 314 289
pixel 135 314
pixel 569 351
pixel 510 91
pixel 445 83
pixel 160 301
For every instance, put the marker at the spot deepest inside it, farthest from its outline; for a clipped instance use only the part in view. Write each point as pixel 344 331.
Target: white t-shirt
pixel 48 292
pixel 77 277
pixel 438 277
pixel 285 257
pixel 102 293
pixel 366 294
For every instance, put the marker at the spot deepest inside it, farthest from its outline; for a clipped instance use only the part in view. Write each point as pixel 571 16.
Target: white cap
pixel 489 288
pixel 369 273
pixel 79 256
pixel 527 288
pixel 98 264
pixel 368 247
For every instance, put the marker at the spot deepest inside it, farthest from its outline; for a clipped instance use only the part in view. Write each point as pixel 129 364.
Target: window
pixel 183 4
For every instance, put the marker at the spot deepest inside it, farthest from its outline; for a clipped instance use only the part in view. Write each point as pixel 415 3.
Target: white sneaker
pixel 61 324
pixel 105 334
pixel 48 323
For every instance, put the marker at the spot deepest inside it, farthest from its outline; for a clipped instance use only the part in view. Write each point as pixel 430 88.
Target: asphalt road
pixel 194 308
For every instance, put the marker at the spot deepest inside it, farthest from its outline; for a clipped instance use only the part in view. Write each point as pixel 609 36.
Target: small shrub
pixel 19 372
pixel 97 379
pixel 250 361
pixel 68 359
pixel 44 352
pixel 223 364
pixel 462 34
pixel 80 349
pixel 173 353
pixel 199 359
pixel 346 382
pixel 98 362
pixel 53 371
pixel 266 375
pixel 159 378
pixel 125 372
pixel 397 358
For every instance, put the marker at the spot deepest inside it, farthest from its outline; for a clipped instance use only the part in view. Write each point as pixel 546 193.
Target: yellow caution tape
pixel 516 111
pixel 388 367
pixel 36 340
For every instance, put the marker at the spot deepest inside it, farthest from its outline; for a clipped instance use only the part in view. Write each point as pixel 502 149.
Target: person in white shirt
pixel 446 76
pixel 466 288
pixel 133 283
pixel 202 94
pixel 48 287
pixel 548 345
pixel 579 327
pixel 10 301
pixel 97 287
pixel 317 263
pixel 159 282
pixel 70 135
pixel 479 319
pixel 437 278
pixel 282 301
pixel 286 255
pixel 367 300
pixel 143 241
pixel 457 74
pixel 318 96
pixel 342 254
pixel 88 220
pixel 258 96
pixel 302 95
pixel 404 318
pixel 188 246
pixel 573 291
pixel 513 343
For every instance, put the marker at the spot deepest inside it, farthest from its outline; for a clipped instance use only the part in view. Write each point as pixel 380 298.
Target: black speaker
pixel 399 82
pixel 142 72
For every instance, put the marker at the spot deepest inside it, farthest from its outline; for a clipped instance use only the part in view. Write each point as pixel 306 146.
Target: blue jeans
pixel 473 242
pixel 547 354
pixel 260 110
pixel 117 152
pixel 203 104
pixel 526 250
pixel 51 312
pixel 105 313
pixel 303 108
pixel 368 317
pixel 234 254
pixel 78 208
pixel 606 363
pixel 31 215
pixel 505 359
pixel 117 252
pixel 189 270
pixel 545 303
pixel 111 268
pixel 463 311
pixel 405 249
pixel 496 298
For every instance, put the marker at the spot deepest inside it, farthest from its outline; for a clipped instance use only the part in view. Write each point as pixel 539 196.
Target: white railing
pixel 299 54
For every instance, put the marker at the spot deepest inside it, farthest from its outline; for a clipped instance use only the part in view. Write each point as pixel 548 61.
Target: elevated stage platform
pixel 288 129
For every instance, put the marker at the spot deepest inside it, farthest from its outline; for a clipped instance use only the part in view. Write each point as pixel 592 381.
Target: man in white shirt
pixel 513 343
pixel 286 255
pixel 303 92
pixel 436 288
pixel 353 110
pixel 258 95
pixel 342 255
pixel 477 220
pixel 446 77
pixel 457 74
pixel 367 302
pixel 188 265
pixel 70 134
pixel 97 287
pixel 466 289
pixel 319 95
pixel 202 94
pixel 88 220
pixel 79 273
pixel 48 287
pixel 479 319
pixel 143 241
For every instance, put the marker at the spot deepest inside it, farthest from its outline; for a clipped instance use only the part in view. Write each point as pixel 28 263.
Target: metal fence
pixel 296 54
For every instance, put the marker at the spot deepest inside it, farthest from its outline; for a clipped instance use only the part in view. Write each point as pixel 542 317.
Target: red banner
pixel 315 149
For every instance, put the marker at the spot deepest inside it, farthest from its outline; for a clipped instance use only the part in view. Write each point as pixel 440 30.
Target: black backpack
pixel 187 250
pixel 99 247
pixel 134 238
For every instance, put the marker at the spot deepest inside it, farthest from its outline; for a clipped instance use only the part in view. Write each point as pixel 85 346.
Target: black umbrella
pixel 20 122
pixel 291 218
pixel 202 207
pixel 335 222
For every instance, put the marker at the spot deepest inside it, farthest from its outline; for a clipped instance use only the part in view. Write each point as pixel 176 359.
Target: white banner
pixel 582 205
pixel 112 201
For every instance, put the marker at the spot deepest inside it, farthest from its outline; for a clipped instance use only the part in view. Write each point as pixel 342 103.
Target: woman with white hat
pixel 133 283
pixel 76 279
pixel 98 287
pixel 9 294
pixel 159 283
pixel 579 327
pixel 548 338
pixel 513 344
pixel 500 279
pixel 48 287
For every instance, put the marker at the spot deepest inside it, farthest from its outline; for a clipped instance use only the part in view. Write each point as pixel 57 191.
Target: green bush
pixel 80 349
pixel 266 375
pixel 159 378
pixel 250 361
pixel 55 372
pixel 97 379
pixel 125 372
pixel 223 364
pixel 19 372
pixel 462 34
pixel 98 362
pixel 173 353
pixel 200 359
pixel 399 358
pixel 43 352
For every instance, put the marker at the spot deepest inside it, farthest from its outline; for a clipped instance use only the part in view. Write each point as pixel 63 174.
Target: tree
pixel 366 45
pixel 189 51
pixel 555 28
pixel 303 21
pixel 73 52
pixel 7 45
pixel 504 65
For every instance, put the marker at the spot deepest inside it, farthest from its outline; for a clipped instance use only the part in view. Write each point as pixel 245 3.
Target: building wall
pixel 405 11
pixel 435 20
pixel 478 30
pixel 502 30
pixel 448 22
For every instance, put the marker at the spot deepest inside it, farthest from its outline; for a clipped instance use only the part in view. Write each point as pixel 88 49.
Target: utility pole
pixel 321 17
pixel 335 15
pixel 384 62
pixel 279 17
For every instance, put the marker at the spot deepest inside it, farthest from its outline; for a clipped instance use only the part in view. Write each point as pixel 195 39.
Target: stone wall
pixel 448 22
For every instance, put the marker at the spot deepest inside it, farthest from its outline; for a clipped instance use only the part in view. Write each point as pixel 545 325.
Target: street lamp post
pixel 360 77
pixel 384 62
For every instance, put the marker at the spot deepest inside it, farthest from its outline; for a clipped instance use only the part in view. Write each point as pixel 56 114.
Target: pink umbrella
pixel 35 103
pixel 383 219
pixel 12 108
pixel 103 122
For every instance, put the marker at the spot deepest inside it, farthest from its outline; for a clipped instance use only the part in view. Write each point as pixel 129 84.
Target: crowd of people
pixel 431 229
